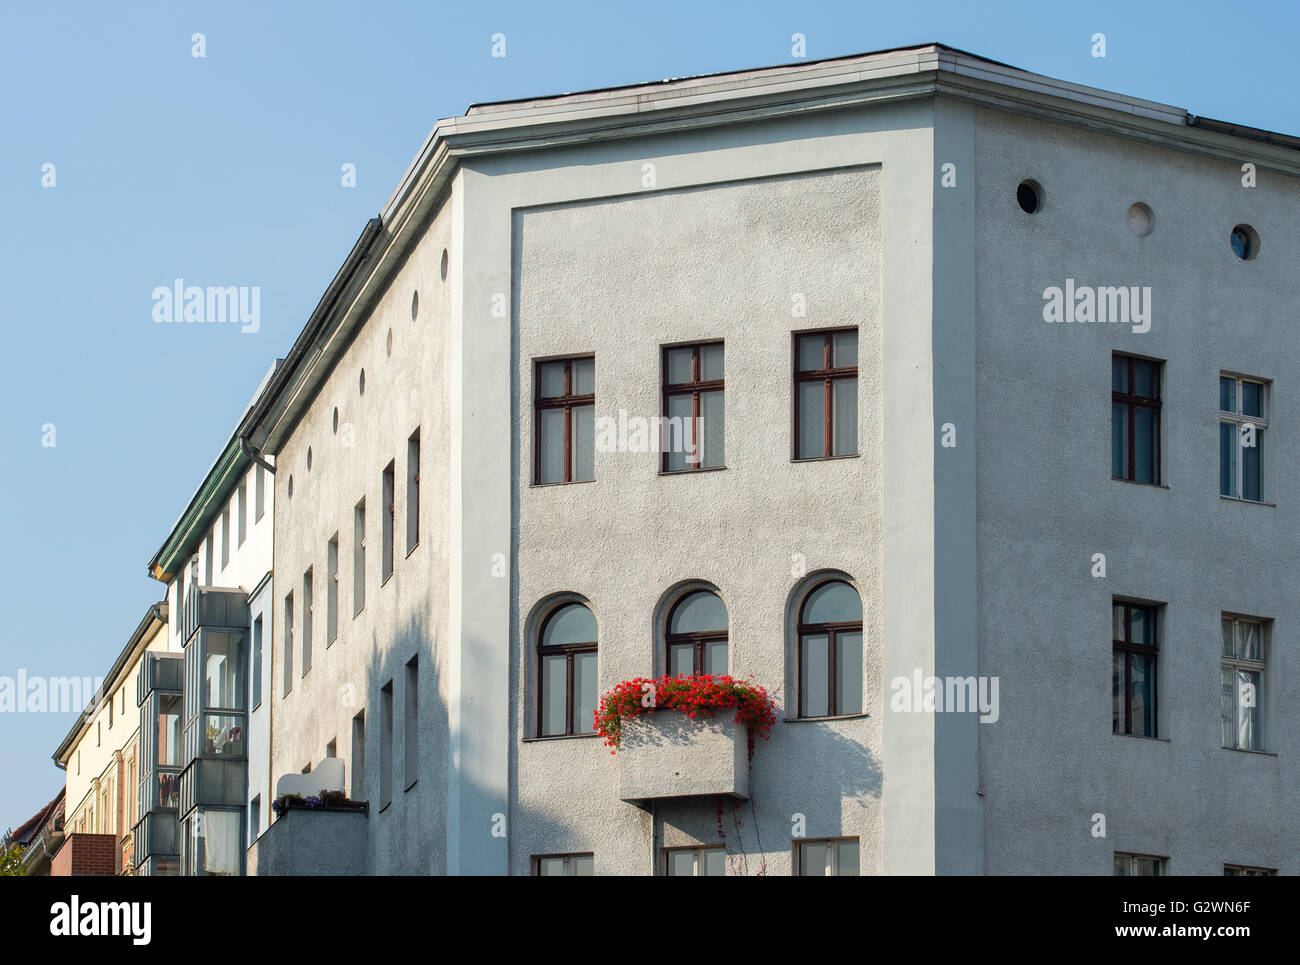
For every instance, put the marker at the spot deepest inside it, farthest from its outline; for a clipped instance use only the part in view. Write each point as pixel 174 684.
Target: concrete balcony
pixel 666 754
pixel 312 841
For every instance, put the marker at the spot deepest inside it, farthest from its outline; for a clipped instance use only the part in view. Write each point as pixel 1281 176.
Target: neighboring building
pixel 845 270
pixel 39 837
pixel 101 756
pixel 205 782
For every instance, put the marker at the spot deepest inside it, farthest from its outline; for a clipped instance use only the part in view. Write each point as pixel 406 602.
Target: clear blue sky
pixel 226 171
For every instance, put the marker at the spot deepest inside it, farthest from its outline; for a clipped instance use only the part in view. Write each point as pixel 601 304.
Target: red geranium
pixel 690 695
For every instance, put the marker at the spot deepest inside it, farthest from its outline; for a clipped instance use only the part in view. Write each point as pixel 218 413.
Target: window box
pixel 666 754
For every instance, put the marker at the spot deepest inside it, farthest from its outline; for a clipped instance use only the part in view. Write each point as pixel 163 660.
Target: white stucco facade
pixel 875 193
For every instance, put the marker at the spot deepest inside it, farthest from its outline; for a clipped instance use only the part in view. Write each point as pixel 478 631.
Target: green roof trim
pixel 199 514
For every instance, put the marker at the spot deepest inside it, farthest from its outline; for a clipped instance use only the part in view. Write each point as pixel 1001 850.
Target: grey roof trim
pixel 155 615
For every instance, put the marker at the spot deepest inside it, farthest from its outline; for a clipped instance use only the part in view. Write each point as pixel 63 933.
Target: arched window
pixel 697 635
pixel 566 672
pixel 829 651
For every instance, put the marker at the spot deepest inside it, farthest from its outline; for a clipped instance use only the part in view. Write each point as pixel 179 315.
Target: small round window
pixel 442 267
pixel 388 344
pixel 361 383
pixel 1140 219
pixel 291 487
pixel 415 305
pixel 309 458
pixel 1029 195
pixel 1244 241
pixel 336 419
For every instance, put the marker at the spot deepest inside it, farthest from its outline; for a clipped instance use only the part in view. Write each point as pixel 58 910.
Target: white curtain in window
pixel 221 842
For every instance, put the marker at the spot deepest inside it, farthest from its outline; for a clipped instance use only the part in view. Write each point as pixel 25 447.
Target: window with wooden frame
pixel 1135 419
pixel 693 433
pixel 566 672
pixel 564 437
pixel 697 635
pixel 1243 419
pixel 1139 865
pixel 1133 671
pixel 826 394
pixel 828 656
pixel 1247 871
pixel 826 857
pixel 562 865
pixel 1241 701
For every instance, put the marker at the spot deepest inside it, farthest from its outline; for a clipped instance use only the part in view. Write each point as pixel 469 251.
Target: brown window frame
pixel 1132 402
pixel 828 374
pixel 692 388
pixel 568 402
pixel 699 640
pixel 831 630
pixel 569 651
pixel 1131 649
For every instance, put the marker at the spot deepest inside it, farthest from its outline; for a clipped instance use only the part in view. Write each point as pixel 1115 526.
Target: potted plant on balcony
pixel 702 694
pixel 325 801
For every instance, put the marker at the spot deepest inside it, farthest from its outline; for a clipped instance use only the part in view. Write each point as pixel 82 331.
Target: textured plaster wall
pixel 312 843
pixel 736 224
pixel 1047 504
pixel 406 616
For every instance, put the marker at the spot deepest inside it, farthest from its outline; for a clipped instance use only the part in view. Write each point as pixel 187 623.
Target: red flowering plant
pixel 702 694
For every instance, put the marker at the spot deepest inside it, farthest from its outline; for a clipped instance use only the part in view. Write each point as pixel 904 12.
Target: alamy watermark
pixel 675 434
pixel 1083 303
pixel 217 304
pixel 956 695
pixel 48 695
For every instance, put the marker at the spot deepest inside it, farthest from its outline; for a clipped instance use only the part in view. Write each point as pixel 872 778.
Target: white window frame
pixel 537 860
pixel 1260 666
pixel 1260 423
pixel 1162 863
pixel 832 854
pixel 697 866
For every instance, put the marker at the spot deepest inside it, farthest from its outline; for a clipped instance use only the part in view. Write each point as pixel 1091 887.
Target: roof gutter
pixel 156 615
pixel 252 437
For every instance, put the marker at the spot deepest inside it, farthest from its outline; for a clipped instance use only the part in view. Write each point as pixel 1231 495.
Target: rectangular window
pixel 386 745
pixel 693 433
pixel 241 513
pixel 257 661
pixel 412 735
pixel 827 857
pixel 1245 645
pixel 1135 419
pixel 826 394
pixel 413 492
pixel 255 817
pixel 1133 669
pixel 552 865
pixel 1139 865
pixel 332 591
pixel 1243 419
pixel 288 642
pixel 225 536
pixel 332 749
pixel 359 558
pixel 564 440
pixel 389 504
pixel 1246 871
pixel 208 557
pixel 259 492
pixel 306 620
pixel 697 862
pixel 359 757
pixel 111 704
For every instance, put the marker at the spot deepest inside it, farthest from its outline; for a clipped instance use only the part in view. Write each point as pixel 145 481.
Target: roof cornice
pixel 155 619
pixel 696 103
